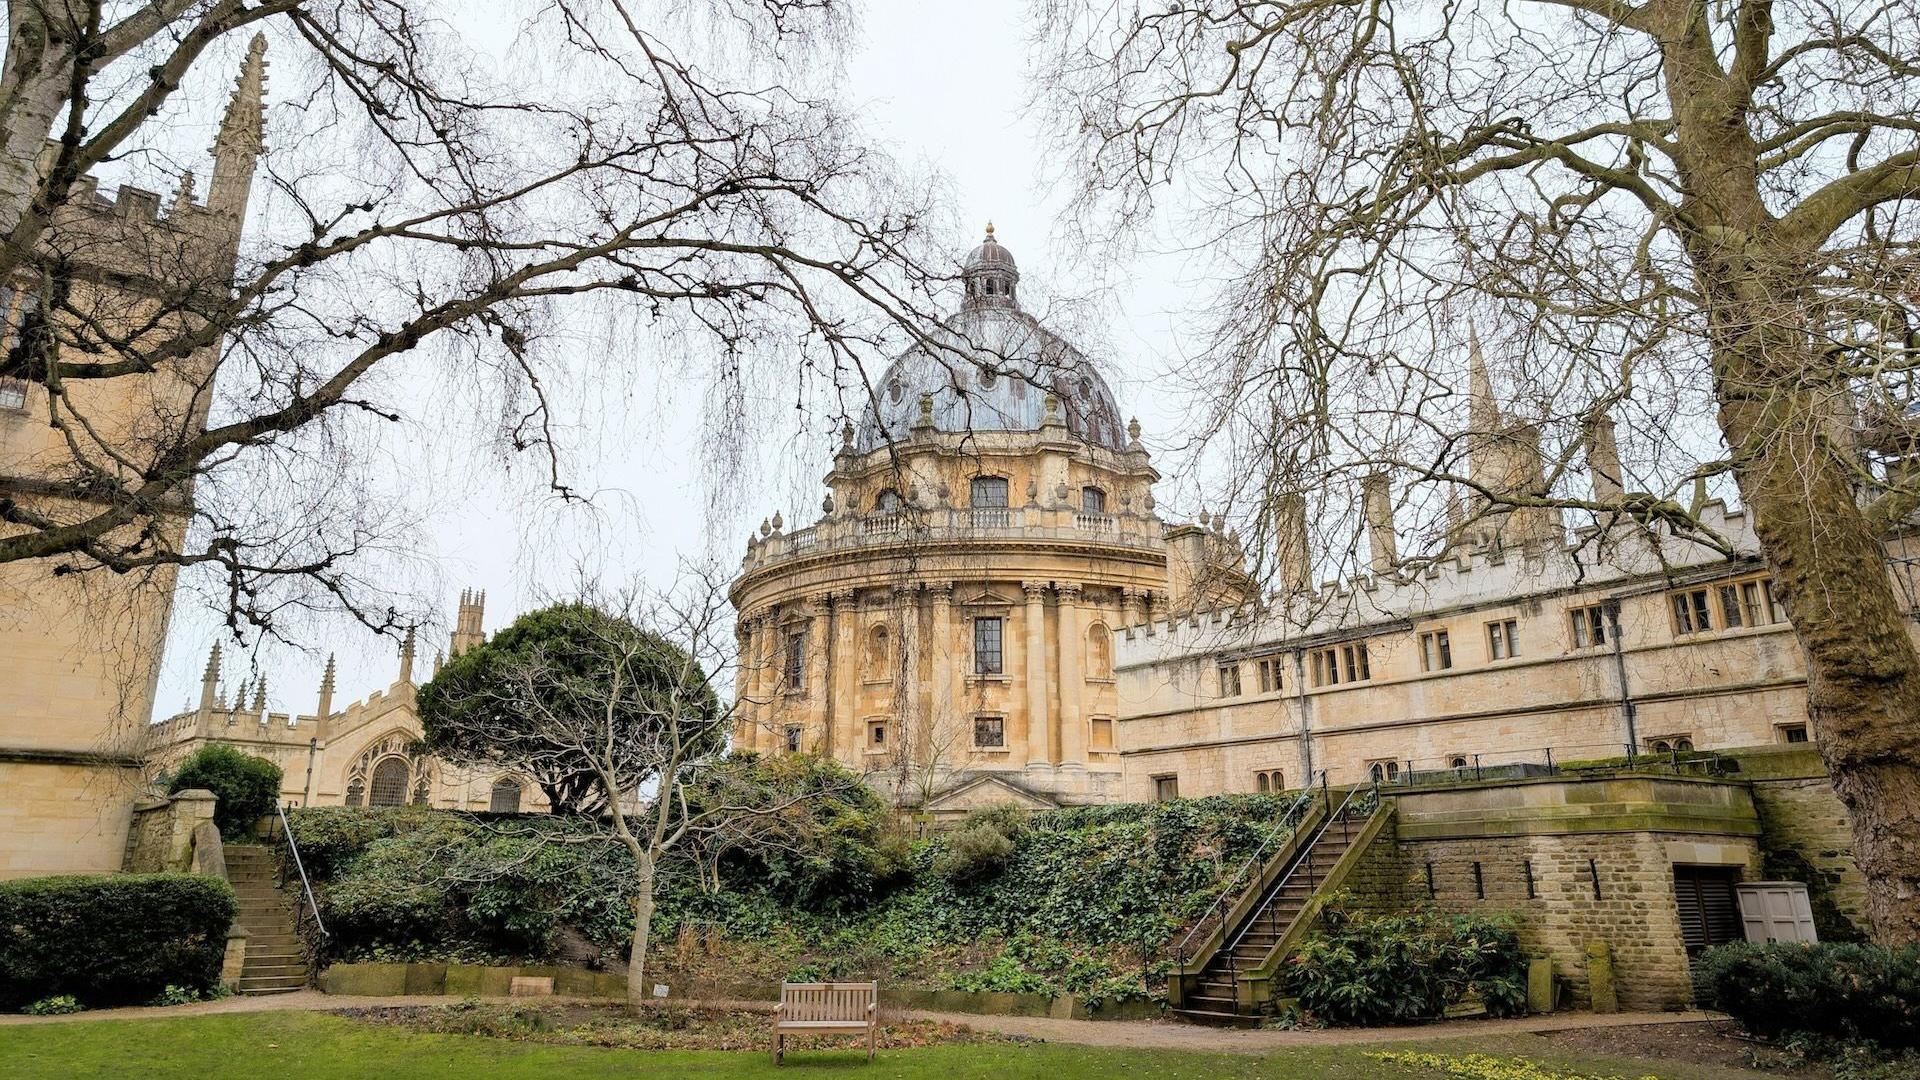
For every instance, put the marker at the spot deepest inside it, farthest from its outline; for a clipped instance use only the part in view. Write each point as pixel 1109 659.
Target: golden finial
pixel 989 230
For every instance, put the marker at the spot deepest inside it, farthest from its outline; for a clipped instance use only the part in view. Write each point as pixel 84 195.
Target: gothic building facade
pixel 365 754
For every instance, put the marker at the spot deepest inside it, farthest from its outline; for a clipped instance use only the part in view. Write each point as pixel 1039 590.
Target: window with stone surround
pixel 13 395
pixel 1268 674
pixel 1100 733
pixel 1749 603
pixel 793 738
pixel 1269 780
pixel 1792 733
pixel 1383 771
pixel 1589 626
pixel 1692 614
pixel 988 633
pixel 990 732
pixel 1166 788
pixel 1093 500
pixel 988 493
pixel 793 663
pixel 1670 744
pixel 876 735
pixel 389 787
pixel 1229 680
pixel 505 797
pixel 1336 664
pixel 1503 639
pixel 1436 651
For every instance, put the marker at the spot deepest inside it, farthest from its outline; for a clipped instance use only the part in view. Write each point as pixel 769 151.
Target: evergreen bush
pixel 1399 969
pixel 111 939
pixel 1834 990
pixel 247 787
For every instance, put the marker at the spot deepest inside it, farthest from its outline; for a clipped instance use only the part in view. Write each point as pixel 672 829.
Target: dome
pixel 991 369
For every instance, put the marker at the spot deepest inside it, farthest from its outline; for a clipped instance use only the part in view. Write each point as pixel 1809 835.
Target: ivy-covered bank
pixel 1073 901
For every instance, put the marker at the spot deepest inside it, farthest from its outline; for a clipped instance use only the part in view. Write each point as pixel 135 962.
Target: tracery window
pixel 389 782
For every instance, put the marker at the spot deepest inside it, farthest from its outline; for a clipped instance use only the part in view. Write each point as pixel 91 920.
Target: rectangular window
pixel 1322 664
pixel 1100 733
pixel 1730 614
pixel 1690 612
pixel 1436 651
pixel 1756 600
pixel 1093 501
pixel 13 394
pixel 1269 673
pixel 1589 626
pixel 1356 662
pixel 793 672
pixel 877 733
pixel 989 732
pixel 1503 639
pixel 987 635
pixel 793 738
pixel 1166 788
pixel 1793 733
pixel 1230 680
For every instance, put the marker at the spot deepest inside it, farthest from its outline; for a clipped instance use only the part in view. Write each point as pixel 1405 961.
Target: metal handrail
pixel 1230 893
pixel 1341 815
pixel 286 830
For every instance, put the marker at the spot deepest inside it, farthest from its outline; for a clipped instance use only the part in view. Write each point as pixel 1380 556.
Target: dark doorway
pixel 1709 910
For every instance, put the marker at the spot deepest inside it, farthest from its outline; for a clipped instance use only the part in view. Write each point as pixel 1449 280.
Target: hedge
pixel 111 939
pixel 1838 990
pixel 245 786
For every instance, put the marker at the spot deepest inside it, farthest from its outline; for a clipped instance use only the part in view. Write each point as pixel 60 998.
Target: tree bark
pixel 637 948
pixel 1782 419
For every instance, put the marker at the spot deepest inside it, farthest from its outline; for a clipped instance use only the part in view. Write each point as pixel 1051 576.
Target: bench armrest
pixel 871 1006
pixel 779 1008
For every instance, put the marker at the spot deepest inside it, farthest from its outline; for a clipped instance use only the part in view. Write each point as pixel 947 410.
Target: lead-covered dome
pixel 992 369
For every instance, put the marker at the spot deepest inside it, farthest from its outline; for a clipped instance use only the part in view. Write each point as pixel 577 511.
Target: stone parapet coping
pixel 436 980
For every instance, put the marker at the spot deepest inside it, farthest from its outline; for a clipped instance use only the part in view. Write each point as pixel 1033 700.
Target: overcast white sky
pixel 941 84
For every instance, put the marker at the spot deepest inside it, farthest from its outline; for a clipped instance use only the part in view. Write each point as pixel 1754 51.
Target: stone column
pixel 814 735
pixel 843 740
pixel 743 683
pixel 945 677
pixel 907 599
pixel 1034 674
pixel 1073 725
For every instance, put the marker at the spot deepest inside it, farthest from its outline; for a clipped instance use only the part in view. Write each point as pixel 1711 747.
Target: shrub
pixel 1836 990
pixel 247 786
pixel 1397 969
pixel 58 1005
pixel 974 852
pixel 111 939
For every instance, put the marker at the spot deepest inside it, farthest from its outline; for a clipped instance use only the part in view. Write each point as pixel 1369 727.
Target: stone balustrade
pixel 880 530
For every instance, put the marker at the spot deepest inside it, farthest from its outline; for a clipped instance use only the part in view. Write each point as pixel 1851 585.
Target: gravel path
pixel 1157 1034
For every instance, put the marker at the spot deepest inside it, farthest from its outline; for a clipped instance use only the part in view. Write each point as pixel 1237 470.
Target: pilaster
pixel 1073 723
pixel 1034 674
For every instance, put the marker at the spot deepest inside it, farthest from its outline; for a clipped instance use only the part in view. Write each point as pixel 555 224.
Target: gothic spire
pixel 242 135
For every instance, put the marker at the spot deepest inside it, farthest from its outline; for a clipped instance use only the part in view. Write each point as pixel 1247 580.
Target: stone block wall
pixel 1807 836
pixel 1548 883
pixel 162 838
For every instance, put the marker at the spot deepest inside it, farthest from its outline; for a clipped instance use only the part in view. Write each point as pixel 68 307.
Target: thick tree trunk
pixel 1788 421
pixel 637 948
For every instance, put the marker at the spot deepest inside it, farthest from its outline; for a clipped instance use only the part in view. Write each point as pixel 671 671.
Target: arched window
pixel 1457 761
pixel 1092 499
pixel 356 791
pixel 879 651
pixel 505 798
pixel 887 502
pixel 389 782
pixel 1099 652
pixel 989 493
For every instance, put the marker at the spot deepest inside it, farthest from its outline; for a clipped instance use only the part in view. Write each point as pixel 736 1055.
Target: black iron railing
pixel 1216 913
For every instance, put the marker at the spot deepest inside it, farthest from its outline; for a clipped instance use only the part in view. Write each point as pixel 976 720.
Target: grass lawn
pixel 315 1046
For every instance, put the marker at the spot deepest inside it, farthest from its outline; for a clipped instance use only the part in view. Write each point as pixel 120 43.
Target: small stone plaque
pixel 529 986
pixel 660 990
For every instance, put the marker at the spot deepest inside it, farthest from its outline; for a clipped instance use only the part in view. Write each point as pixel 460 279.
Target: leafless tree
pixel 1696 218
pixel 669 173
pixel 635 697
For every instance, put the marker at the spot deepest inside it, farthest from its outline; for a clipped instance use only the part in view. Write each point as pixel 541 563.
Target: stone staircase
pixel 276 959
pixel 1214 995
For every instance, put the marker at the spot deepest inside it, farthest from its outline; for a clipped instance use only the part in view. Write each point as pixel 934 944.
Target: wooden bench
pixel 824 1008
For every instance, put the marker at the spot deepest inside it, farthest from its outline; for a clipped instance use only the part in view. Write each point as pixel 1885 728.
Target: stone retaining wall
pixel 474 980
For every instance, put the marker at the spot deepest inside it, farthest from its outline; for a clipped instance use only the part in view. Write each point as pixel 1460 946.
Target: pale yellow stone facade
pixel 950 617
pixel 80 652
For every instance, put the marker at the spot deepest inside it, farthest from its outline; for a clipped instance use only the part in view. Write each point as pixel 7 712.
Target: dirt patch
pixel 655 1027
pixel 1719 1043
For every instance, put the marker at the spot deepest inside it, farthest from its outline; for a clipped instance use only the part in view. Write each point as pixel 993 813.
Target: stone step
pixel 282 954
pixel 1217 1018
pixel 287 987
pixel 273 971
